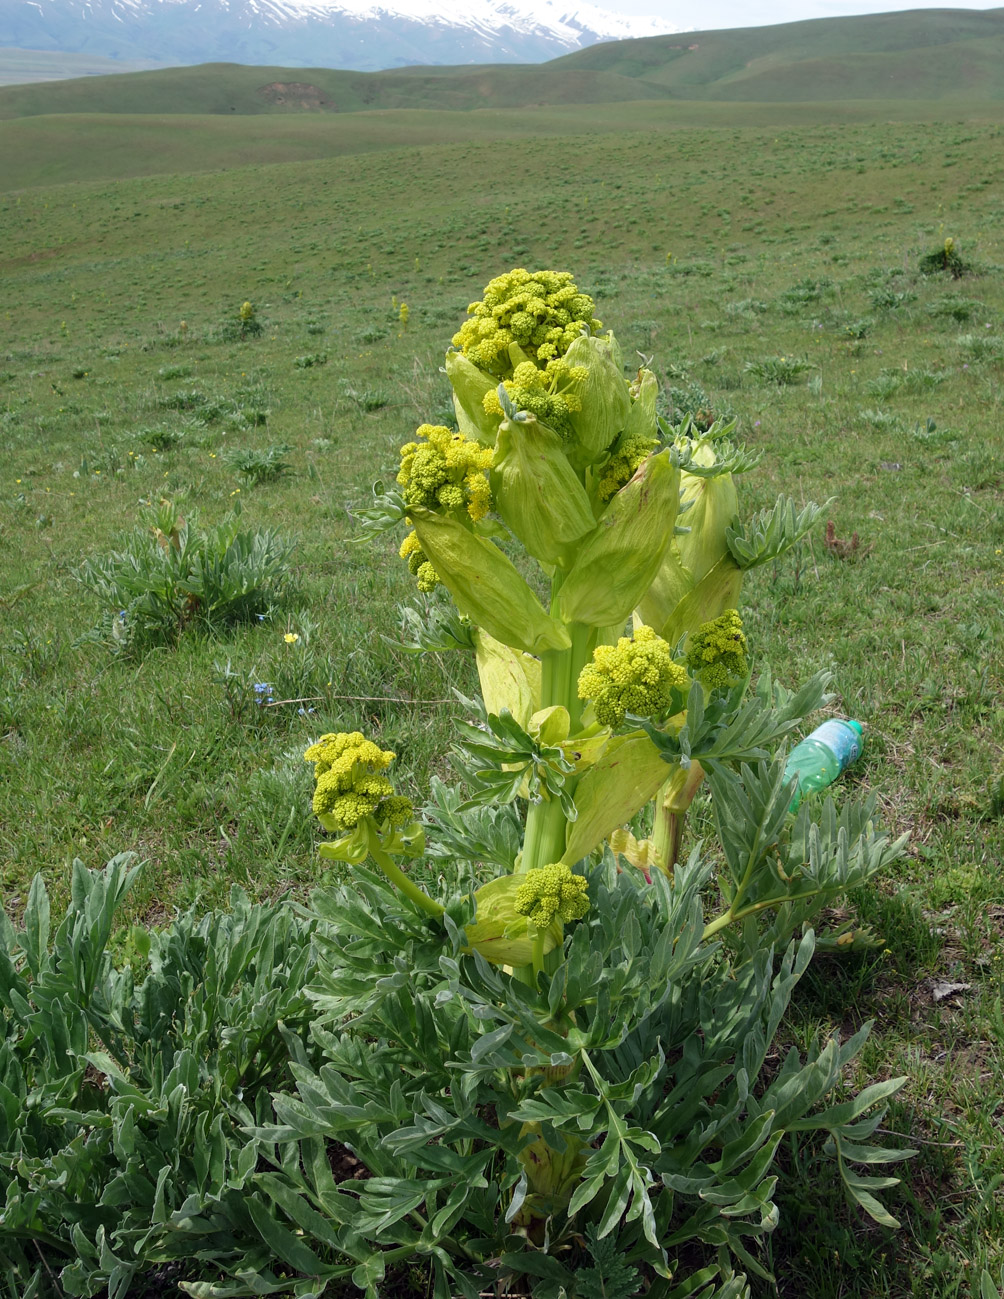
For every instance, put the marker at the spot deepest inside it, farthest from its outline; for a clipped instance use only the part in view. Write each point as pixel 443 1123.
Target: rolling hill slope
pixel 937 53
pixel 233 88
pixel 931 54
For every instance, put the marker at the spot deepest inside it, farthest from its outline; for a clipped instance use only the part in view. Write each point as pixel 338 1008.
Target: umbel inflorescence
pixel 351 785
pixel 446 472
pixel 637 675
pixel 541 312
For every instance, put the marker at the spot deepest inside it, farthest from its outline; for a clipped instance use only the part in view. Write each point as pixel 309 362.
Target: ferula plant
pixel 550 1059
pixel 540 1025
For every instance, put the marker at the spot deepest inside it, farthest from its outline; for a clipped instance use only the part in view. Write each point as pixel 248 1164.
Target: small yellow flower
pixel 291 637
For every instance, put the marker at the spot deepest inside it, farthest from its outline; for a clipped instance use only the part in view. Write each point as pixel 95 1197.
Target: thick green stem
pixel 538 952
pixel 546 824
pixel 667 834
pixel 546 828
pixel 671 806
pixel 397 877
pixel 583 644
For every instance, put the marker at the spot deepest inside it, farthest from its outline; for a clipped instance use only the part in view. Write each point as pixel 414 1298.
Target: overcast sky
pixel 734 13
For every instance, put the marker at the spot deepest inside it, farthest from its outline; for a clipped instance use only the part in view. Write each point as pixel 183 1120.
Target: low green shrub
pixel 889 299
pixel 161 437
pixel 263 465
pixel 954 307
pixel 169 576
pixel 982 347
pixel 183 399
pixel 692 401
pixel 235 329
pixel 946 260
pixel 802 294
pixel 368 399
pixel 891 380
pixel 780 371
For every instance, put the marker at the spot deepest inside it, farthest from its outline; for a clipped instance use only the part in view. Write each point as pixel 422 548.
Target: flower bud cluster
pixel 552 893
pixel 637 675
pixel 446 471
pixel 443 471
pixel 351 785
pixel 419 564
pixel 716 652
pixel 546 394
pixel 628 454
pixel 541 312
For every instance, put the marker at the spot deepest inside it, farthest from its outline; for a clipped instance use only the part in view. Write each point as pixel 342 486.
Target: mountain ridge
pixel 360 35
pixel 945 55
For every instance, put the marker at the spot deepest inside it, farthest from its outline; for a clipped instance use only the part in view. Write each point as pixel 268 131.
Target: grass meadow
pixel 771 271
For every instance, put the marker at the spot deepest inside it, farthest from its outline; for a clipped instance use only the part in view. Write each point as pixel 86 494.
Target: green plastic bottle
pixel 820 758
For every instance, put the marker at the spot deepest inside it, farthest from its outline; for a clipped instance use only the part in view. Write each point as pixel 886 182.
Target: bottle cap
pixel 857 726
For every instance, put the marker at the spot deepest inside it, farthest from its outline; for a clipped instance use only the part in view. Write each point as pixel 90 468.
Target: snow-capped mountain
pixel 359 34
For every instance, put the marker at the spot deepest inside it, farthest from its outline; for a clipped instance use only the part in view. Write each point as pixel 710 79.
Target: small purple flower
pixel 757 424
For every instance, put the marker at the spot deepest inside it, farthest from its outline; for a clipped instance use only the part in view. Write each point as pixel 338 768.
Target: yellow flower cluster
pixel 637 675
pixel 443 471
pixel 623 464
pixel 351 785
pixel 542 312
pixel 546 394
pixel 552 893
pixel 446 471
pixel 419 564
pixel 716 653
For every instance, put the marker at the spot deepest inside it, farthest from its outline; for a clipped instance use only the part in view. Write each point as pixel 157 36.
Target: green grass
pixel 710 249
pixel 53 150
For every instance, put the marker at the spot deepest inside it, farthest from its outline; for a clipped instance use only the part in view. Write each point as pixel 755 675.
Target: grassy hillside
pixel 772 272
pixel 53 150
pixel 924 54
pixel 227 88
pixel 695 64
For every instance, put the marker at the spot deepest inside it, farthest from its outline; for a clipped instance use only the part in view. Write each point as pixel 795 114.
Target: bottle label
pixel 842 740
